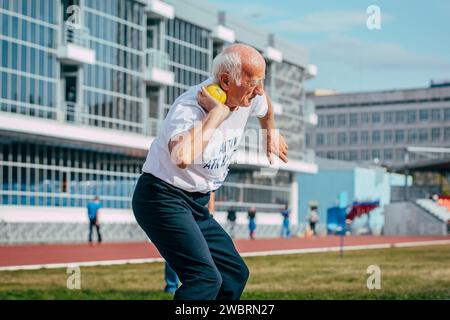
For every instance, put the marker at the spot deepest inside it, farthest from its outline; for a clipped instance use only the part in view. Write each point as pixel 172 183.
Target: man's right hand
pixel 207 102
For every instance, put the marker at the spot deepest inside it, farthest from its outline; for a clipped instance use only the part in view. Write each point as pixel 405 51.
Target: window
pixel 423 115
pixel 353 119
pixel 423 135
pixel 331 139
pixel 399 116
pixel 331 155
pixel 412 135
pixel 330 120
pixel 435 134
pixel 411 116
pixel 436 114
pixel 399 135
pixel 389 117
pixel 364 137
pixel 319 139
pixel 342 138
pixel 376 136
pixel 365 156
pixel 447 114
pixel 353 156
pixel 342 120
pixel 447 133
pixel 376 154
pixel 353 138
pixel 365 117
pixel 388 136
pixel 388 154
pixel 376 117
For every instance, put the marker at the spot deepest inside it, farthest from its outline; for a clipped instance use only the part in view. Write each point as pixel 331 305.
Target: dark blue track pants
pixel 190 240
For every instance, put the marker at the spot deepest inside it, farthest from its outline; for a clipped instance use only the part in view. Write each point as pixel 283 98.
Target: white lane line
pixel 244 254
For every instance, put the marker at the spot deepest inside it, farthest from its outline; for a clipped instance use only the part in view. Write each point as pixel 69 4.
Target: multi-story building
pixel 378 126
pixel 85 84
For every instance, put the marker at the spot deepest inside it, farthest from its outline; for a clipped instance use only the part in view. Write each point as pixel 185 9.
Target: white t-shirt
pixel 211 168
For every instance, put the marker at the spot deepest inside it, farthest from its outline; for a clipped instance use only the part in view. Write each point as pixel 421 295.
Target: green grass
pixel 406 273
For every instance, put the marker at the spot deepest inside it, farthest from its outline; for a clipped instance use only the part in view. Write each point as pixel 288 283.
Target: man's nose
pixel 259 89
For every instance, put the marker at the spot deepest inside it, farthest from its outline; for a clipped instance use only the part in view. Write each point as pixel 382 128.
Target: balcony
pixel 74 47
pixel 273 54
pixel 157 68
pixel 223 34
pixel 159 10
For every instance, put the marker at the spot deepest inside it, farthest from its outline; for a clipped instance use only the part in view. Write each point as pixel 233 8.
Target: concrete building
pixel 377 126
pixel 85 84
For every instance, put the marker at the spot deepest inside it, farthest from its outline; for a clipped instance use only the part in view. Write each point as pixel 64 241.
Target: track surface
pixel 42 254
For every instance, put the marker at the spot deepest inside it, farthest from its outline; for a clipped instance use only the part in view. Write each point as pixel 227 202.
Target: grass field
pixel 406 273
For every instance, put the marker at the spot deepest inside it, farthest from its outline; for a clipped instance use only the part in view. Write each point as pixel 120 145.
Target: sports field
pixel 406 273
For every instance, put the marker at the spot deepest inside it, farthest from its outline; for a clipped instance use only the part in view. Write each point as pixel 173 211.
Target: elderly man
pixel 188 161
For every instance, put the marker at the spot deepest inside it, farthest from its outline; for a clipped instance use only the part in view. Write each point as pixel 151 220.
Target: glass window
pixel 5 53
pixel 353 119
pixel 376 154
pixel 423 115
pixel 14 54
pixel 331 154
pixel 342 120
pixel 330 120
pixel 23 58
pixel 33 60
pixel 388 136
pixel 447 114
pixel 23 89
pixel 376 136
pixel 15 27
pixel 423 135
pixel 331 139
pixel 399 135
pixel 365 117
pixel 447 133
pixel 436 114
pixel 399 116
pixel 353 156
pixel 342 138
pixel 388 154
pixel 13 87
pixel 320 139
pixel 4 85
pixel 4 24
pixel 353 138
pixel 412 135
pixel 24 31
pixel 436 134
pixel 365 155
pixel 364 137
pixel 411 116
pixel 376 117
pixel 32 90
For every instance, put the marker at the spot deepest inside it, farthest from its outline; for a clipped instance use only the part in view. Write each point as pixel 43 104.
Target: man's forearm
pixel 192 143
pixel 268 121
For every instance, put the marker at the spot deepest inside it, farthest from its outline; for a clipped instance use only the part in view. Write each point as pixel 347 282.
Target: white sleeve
pixel 181 118
pixel 259 106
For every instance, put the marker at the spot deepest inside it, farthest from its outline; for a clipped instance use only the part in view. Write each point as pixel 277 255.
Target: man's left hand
pixel 276 144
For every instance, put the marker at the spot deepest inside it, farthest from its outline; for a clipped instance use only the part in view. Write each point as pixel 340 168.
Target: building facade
pixel 377 127
pixel 86 83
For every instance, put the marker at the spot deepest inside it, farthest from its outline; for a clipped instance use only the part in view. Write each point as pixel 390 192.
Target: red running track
pixel 37 254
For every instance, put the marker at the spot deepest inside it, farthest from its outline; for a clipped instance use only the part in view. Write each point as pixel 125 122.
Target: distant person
pixel 93 208
pixel 252 222
pixel 313 218
pixel 285 232
pixel 171 279
pixel 231 218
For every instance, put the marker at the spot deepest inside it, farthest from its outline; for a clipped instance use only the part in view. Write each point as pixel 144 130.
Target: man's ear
pixel 224 81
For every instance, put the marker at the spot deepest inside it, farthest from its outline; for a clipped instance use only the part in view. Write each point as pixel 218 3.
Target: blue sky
pixel 412 47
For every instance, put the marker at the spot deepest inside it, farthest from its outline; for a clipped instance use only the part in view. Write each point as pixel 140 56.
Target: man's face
pixel 252 84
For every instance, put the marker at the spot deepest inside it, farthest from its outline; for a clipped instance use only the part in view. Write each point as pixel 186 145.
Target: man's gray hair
pixel 227 62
